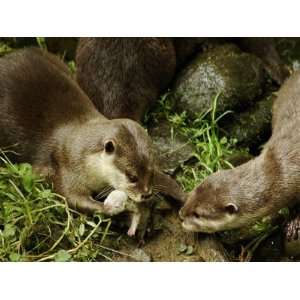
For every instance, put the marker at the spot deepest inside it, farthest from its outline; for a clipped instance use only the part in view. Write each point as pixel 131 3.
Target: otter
pixel 124 76
pixel 238 197
pixel 55 127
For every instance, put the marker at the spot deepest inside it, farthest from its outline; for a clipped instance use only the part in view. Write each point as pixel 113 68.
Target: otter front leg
pixel 86 204
pixel 114 204
pixel 168 186
pixel 78 195
pixel 134 223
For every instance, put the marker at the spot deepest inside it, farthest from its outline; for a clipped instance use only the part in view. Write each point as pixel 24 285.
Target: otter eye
pixel 132 178
pixel 109 147
pixel 231 208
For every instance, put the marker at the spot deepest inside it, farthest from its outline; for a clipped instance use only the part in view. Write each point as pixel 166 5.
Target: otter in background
pixel 124 76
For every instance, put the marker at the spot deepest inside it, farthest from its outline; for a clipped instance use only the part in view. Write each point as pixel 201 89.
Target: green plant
pixel 5 49
pixel 37 225
pixel 211 150
pixel 41 41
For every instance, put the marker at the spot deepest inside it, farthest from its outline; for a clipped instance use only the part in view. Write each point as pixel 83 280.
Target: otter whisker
pixel 159 186
pixel 157 195
pixel 104 192
pixel 156 191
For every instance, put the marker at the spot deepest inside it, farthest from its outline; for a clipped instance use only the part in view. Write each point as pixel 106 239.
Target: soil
pixel 172 243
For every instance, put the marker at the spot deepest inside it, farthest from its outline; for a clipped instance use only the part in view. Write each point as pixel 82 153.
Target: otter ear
pixel 231 208
pixel 109 146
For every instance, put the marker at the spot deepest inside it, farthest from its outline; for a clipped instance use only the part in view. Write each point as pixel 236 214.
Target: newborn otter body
pixel 234 198
pixel 55 127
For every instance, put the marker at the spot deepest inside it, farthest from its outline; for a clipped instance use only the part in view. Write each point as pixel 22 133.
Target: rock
pixel 62 45
pixel 235 236
pixel 262 47
pixel 270 249
pixel 239 158
pixel 8 45
pixel 237 76
pixel 140 255
pixel 172 148
pixel 18 42
pixel 265 49
pixel 211 250
pixel 186 47
pixel 289 50
pixel 252 127
pixel 292 248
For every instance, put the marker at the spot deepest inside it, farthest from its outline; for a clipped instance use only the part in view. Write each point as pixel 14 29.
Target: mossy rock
pixel 62 45
pixel 289 51
pixel 237 76
pixel 172 148
pixel 252 127
pixel 19 42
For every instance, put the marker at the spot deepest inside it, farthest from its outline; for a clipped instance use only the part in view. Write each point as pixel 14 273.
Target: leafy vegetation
pixel 37 224
pixel 4 49
pixel 203 132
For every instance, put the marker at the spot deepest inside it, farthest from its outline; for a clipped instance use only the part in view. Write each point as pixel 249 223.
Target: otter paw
pixel 292 229
pixel 115 202
pixel 135 221
pixel 131 231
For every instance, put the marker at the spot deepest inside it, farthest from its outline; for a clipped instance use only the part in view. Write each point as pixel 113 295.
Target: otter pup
pixel 57 129
pixel 238 197
pixel 124 76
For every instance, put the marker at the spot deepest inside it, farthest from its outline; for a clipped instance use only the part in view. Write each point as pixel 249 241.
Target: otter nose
pixel 147 193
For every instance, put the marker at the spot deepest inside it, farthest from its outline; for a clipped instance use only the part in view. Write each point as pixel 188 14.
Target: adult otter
pixel 58 130
pixel 234 198
pixel 124 76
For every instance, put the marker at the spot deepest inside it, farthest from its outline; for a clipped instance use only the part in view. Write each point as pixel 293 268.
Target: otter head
pixel 210 207
pixel 123 159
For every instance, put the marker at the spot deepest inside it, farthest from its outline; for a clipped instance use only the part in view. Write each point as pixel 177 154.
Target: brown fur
pixel 261 186
pixel 55 127
pixel 124 76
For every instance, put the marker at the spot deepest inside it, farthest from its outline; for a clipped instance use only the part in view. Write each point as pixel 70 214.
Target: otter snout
pixel 186 211
pixel 147 194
